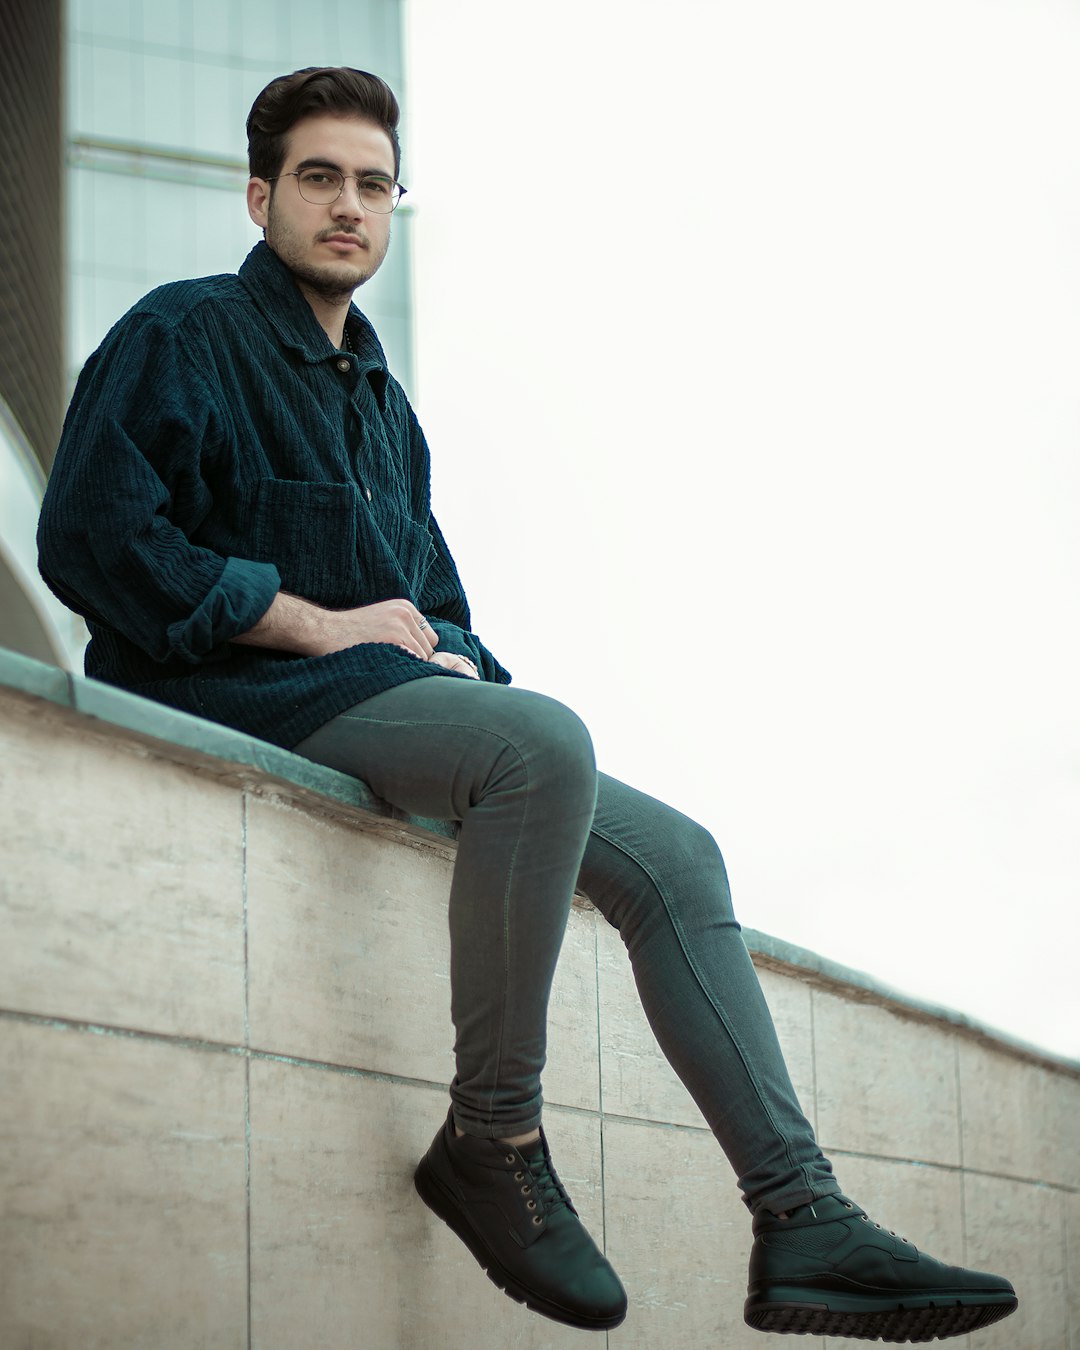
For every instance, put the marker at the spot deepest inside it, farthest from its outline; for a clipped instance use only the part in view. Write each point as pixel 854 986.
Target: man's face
pixel 329 249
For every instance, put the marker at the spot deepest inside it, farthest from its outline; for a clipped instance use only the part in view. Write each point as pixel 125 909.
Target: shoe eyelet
pixel 519 1176
pixel 537 1220
pixel 847 1206
pixel 511 1158
pixel 531 1204
pixel 526 1190
pixel 864 1218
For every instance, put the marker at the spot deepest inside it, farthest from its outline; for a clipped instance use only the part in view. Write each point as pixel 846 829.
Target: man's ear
pixel 258 200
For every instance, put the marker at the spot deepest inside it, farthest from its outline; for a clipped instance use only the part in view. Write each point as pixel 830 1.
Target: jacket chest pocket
pixel 309 532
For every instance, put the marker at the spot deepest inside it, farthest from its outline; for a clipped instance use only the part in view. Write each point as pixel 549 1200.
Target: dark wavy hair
pixel 306 93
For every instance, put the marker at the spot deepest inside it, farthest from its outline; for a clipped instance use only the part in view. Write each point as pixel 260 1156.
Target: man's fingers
pixel 418 636
pixel 396 621
pixel 460 664
pixel 426 637
pixel 465 667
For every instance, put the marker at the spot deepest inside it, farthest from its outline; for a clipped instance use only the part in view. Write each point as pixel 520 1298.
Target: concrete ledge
pixel 772 953
pixel 218 750
pixel 224 1006
pixel 231 754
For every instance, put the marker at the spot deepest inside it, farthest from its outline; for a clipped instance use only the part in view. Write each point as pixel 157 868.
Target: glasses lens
pixel 322 186
pixel 379 194
pixel 319 185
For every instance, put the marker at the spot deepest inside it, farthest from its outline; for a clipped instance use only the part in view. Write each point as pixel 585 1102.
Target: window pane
pixel 214 131
pixel 211 30
pixel 114 109
pixel 169 110
pixel 104 18
pixel 170 242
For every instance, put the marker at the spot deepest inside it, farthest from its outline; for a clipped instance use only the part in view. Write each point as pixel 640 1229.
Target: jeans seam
pixel 736 1042
pixel 426 722
pixel 506 925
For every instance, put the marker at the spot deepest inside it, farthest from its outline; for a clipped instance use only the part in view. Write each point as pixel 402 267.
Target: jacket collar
pixel 271 286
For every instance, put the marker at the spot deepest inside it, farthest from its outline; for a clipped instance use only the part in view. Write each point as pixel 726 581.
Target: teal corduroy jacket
pixel 218 449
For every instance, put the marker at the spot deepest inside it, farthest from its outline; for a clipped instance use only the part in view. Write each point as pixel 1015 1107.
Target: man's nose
pixel 349 202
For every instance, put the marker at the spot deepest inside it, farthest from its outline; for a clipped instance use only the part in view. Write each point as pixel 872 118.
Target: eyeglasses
pixel 323 186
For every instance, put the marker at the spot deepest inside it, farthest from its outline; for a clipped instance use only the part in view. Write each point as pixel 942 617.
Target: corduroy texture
pixel 217 448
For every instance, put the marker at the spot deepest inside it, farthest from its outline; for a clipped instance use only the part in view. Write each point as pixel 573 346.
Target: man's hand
pixel 295 625
pixel 461 665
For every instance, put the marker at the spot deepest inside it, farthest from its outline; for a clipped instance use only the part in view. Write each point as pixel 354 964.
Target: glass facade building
pixel 139 107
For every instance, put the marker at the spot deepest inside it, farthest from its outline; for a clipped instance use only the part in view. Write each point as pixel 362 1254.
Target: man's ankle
pixel 522 1140
pixel 514 1140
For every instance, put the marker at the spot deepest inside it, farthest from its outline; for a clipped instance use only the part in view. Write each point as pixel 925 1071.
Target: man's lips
pixel 344 241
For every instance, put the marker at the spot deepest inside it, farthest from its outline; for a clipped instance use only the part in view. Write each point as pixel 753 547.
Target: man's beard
pixel 331 288
pixel 328 283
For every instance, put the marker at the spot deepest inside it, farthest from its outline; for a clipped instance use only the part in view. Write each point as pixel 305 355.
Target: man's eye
pixel 380 187
pixel 317 178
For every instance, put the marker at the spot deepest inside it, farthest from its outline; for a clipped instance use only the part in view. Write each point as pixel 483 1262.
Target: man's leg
pixel 517 770
pixel 819 1265
pixel 659 878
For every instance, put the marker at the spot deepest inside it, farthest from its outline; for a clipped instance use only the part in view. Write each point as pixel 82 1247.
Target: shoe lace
pixel 548 1186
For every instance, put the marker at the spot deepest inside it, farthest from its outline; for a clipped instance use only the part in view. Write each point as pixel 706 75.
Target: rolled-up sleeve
pixel 236 602
pixel 126 492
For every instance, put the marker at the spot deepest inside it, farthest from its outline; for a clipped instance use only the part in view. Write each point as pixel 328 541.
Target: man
pixel 240 508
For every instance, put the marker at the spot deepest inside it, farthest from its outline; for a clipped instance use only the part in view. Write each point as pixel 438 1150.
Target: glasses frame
pixel 358 179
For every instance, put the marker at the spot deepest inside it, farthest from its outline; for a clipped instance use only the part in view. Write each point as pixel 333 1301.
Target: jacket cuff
pixel 238 600
pixel 456 640
pixel 452 638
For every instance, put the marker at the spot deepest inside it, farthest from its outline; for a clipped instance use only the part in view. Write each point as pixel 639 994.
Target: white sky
pixel 747 347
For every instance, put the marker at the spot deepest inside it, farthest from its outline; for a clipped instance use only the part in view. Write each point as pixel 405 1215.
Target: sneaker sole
pixel 923 1320
pixel 439 1200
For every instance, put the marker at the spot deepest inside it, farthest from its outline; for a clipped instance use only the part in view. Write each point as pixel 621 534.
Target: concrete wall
pixel 224 1012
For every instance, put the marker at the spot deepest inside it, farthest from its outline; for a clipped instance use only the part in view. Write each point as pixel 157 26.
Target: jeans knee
pixel 570 736
pixel 699 841
pixel 555 745
pixel 686 862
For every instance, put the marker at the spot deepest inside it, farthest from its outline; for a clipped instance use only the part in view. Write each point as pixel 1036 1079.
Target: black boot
pixel 510 1209
pixel 829 1270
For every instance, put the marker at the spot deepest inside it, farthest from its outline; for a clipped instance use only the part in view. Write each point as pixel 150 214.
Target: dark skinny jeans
pixel 517 770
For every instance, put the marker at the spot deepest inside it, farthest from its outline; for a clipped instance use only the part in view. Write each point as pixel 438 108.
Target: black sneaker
pixel 829 1270
pixel 512 1212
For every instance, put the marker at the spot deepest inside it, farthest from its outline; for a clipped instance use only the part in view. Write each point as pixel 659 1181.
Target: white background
pixel 747 342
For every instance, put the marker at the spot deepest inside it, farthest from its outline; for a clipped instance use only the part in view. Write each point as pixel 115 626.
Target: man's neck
pixel 329 312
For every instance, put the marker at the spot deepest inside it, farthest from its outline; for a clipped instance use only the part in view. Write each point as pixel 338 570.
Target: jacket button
pixel 343 365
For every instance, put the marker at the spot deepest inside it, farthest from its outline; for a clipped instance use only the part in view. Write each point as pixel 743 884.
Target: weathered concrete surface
pixel 224 1020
